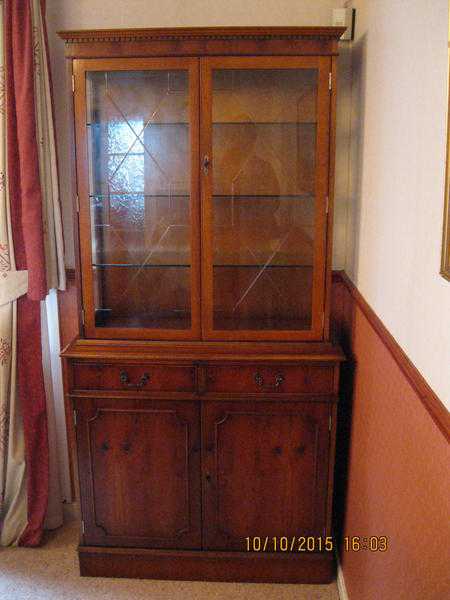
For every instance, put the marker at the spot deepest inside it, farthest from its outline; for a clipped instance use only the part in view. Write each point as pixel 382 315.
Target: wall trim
pixel 429 399
pixel 340 581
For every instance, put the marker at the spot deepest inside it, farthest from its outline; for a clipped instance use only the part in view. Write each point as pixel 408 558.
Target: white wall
pixel 398 136
pixel 100 14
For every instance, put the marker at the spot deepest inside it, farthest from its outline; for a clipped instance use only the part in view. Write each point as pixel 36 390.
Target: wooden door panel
pixel 140 472
pixel 265 471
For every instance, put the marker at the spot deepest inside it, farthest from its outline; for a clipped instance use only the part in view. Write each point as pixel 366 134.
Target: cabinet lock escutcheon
pixel 206 164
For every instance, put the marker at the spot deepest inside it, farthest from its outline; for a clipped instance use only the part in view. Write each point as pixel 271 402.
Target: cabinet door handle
pixel 125 381
pixel 259 380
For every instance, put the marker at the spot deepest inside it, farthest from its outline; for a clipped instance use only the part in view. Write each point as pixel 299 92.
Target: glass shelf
pixel 240 123
pixel 186 266
pixel 265 196
pixel 177 320
pixel 226 323
pixel 139 266
pixel 151 124
pixel 140 194
pixel 186 124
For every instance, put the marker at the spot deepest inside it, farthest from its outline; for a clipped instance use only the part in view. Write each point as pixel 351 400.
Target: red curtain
pixel 27 229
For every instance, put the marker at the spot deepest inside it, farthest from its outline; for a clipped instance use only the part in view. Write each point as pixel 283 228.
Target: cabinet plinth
pixel 203 385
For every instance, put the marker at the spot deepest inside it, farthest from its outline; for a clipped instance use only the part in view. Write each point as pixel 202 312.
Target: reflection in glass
pixel 264 141
pixel 138 135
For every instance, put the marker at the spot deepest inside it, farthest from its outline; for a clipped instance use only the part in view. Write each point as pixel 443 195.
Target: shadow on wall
pixel 342 320
pixel 359 50
pixel 343 315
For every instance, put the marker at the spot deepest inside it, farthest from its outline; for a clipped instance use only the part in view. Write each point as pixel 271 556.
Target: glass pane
pixel 139 178
pixel 264 148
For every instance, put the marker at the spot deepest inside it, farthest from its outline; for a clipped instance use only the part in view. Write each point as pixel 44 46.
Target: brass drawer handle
pixel 259 380
pixel 125 380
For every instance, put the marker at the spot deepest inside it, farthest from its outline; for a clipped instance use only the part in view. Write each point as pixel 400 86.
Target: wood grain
pixel 218 41
pixel 199 423
pixel 285 448
pixel 206 566
pixel 139 472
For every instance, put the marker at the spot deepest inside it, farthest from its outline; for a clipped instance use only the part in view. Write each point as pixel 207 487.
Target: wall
pixel 393 459
pixel 399 60
pixel 91 14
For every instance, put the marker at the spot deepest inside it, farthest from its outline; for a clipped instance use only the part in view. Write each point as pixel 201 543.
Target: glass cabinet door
pixel 265 183
pixel 137 130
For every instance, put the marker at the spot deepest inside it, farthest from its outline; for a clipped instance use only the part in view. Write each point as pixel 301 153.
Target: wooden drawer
pixel 263 379
pixel 132 377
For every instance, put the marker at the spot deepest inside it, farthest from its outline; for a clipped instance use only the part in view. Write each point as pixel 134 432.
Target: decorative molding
pixel 200 33
pixel 429 399
pixel 141 412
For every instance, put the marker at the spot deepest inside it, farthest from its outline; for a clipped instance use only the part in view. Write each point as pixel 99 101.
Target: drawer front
pixel 263 379
pixel 145 377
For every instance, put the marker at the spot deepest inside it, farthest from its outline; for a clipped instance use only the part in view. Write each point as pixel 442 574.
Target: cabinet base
pixel 202 565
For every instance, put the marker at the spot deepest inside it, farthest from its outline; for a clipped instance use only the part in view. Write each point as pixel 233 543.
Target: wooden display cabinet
pixel 204 382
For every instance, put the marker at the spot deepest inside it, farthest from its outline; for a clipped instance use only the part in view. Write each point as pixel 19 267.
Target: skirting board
pixel 340 581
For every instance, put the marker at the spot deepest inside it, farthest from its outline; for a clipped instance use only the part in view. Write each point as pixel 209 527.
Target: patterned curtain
pixel 31 263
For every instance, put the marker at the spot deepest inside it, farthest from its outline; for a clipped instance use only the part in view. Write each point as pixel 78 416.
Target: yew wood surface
pixel 202 41
pixel 149 476
pixel 265 471
pixel 139 472
pixel 206 565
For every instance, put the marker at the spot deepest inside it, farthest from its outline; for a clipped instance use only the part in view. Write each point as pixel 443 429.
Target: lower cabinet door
pixel 265 474
pixel 139 471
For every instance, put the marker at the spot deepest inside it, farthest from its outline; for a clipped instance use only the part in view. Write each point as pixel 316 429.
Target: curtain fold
pixel 30 222
pixel 54 251
pixel 13 497
pixel 48 170
pixel 27 226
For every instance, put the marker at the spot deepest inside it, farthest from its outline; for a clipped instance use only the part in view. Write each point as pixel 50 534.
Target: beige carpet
pixel 51 572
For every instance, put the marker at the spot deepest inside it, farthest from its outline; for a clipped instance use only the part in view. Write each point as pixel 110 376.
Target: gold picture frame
pixel 445 261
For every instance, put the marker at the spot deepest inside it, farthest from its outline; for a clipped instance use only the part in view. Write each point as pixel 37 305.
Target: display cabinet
pixel 204 381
